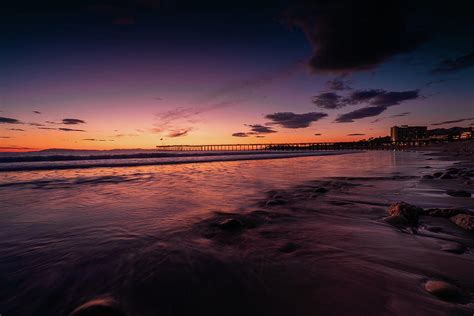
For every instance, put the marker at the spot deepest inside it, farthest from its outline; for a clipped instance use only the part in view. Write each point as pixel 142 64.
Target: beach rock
pixel 443 290
pixel 447 176
pixel 408 211
pixel 453 247
pixel 320 190
pixel 464 221
pixel 231 224
pixel 274 202
pixel 444 212
pixel 453 170
pixel 396 220
pixel 102 307
pixel 458 193
pixel 434 229
pixel 427 176
pixel 437 174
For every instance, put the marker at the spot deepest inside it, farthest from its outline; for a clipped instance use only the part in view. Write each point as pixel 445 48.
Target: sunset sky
pixel 136 74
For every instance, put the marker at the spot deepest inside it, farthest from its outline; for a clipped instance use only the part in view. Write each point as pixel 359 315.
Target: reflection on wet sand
pixel 236 238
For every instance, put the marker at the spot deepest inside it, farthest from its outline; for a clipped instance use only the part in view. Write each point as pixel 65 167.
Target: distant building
pixel 408 133
pixel 466 135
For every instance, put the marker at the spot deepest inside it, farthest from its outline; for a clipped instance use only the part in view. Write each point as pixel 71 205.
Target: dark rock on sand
pixel 453 170
pixel 458 193
pixel 232 224
pixel 447 176
pixel 396 220
pixel 464 221
pixel 274 202
pixel 437 174
pixel 444 290
pixel 453 247
pixel 289 247
pixel 434 229
pixel 408 211
pixel 320 190
pixel 102 307
pixel 444 212
pixel 427 176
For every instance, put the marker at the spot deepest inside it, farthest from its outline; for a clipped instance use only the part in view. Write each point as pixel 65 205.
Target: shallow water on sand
pixel 72 235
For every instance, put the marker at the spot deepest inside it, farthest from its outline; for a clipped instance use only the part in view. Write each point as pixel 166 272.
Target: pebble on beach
pixel 103 307
pixel 230 225
pixel 443 290
pixel 458 193
pixel 464 221
pixel 274 202
pixel 409 212
pixel 453 247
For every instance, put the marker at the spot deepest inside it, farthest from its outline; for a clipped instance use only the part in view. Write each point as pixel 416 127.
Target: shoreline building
pixel 408 133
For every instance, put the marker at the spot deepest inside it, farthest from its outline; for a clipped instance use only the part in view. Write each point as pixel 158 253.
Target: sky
pixel 98 74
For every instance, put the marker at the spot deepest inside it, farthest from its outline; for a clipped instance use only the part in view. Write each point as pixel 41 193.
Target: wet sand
pixel 323 247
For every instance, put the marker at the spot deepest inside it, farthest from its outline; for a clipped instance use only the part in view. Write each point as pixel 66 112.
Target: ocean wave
pixel 163 160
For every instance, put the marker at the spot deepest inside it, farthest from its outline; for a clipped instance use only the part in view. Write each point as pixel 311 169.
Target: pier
pixel 295 146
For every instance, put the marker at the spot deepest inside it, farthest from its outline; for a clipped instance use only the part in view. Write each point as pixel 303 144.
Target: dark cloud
pixel 456 64
pixel 179 132
pixel 69 121
pixel 355 134
pixel 47 128
pixel 328 100
pixel 394 98
pixel 16 129
pixel 7 120
pixel 260 129
pixel 293 120
pixel 360 114
pixel 98 140
pixel 70 130
pixel 240 134
pixel 317 134
pixel 5 137
pixel 350 35
pixel 453 121
pixel 36 124
pixel 360 96
pixel 37 112
pixel 260 136
pixel 380 97
pixel 337 85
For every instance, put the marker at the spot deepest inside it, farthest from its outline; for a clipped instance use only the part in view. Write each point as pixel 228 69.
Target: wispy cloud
pixel 453 121
pixel 260 129
pixel 72 121
pixel 456 64
pixel 98 140
pixel 7 120
pixel 179 132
